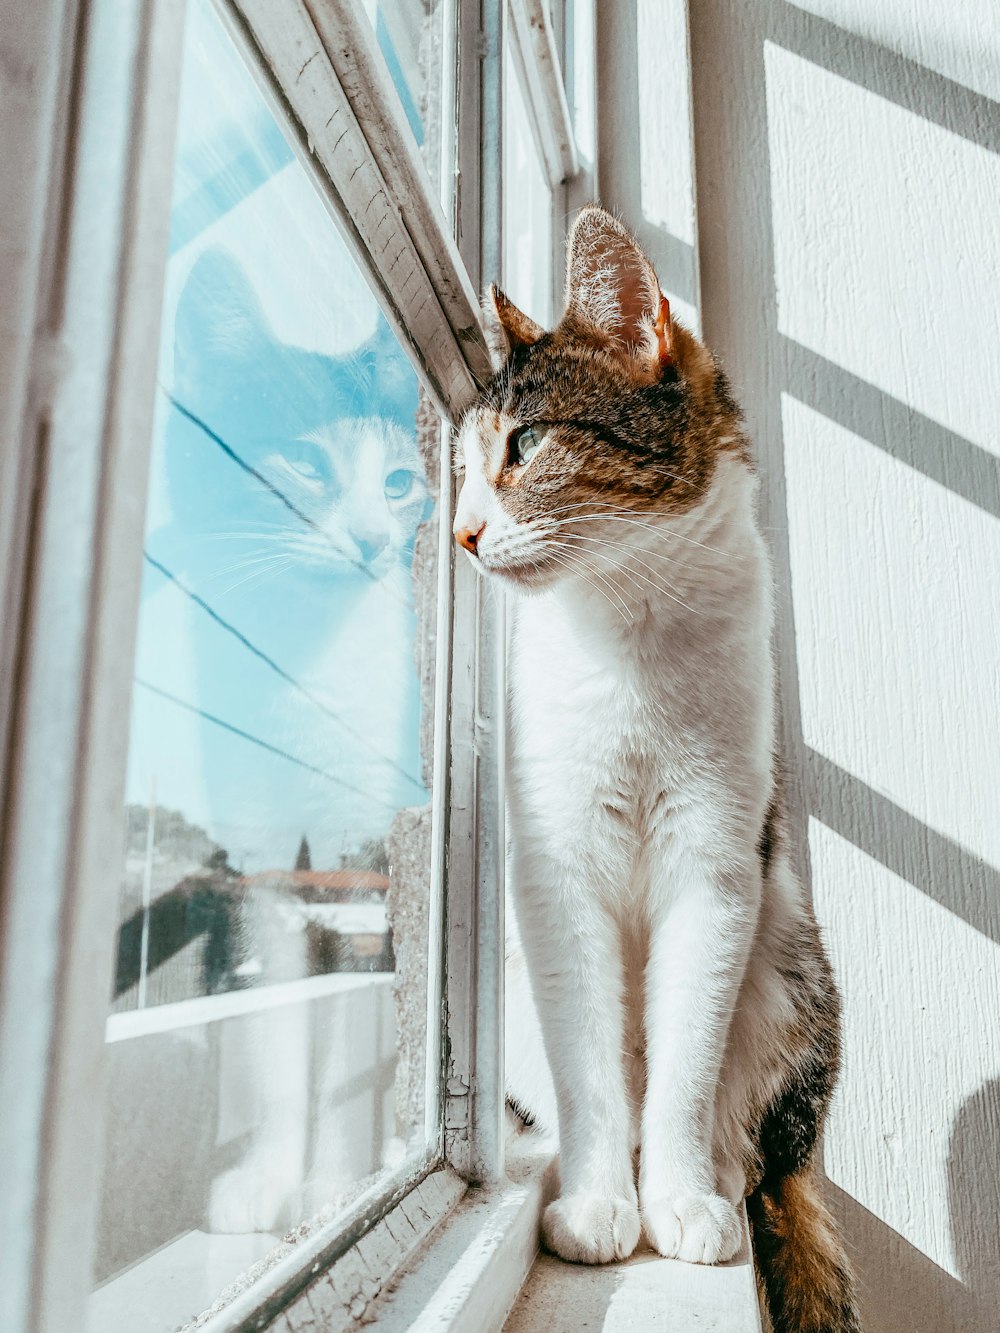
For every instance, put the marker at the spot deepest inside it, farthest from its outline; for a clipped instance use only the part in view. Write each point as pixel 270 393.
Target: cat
pixel 681 1006
pixel 294 489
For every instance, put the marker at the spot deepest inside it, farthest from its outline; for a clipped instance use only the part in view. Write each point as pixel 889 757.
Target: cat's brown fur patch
pixel 648 446
pixel 801 1265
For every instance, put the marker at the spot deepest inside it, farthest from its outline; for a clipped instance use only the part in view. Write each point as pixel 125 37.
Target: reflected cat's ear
pixel 219 318
pixel 514 327
pixel 611 286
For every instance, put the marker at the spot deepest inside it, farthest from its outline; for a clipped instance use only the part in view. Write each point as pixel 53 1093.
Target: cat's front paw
pixel 246 1199
pixel 700 1228
pixel 591 1228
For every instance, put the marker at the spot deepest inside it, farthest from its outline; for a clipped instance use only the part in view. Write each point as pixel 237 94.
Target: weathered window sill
pixel 479 1271
pixel 647 1292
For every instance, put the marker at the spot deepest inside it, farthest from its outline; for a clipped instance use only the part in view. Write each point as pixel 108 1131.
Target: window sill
pixel 647 1292
pixel 479 1271
pixel 461 1270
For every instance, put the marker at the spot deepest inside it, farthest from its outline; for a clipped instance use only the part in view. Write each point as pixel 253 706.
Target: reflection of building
pixel 345 912
pixel 216 931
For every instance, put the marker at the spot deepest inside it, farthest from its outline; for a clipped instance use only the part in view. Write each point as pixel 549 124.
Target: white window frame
pixel 78 366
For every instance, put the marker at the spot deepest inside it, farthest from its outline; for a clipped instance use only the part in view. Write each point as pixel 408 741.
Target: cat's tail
pixel 801 1264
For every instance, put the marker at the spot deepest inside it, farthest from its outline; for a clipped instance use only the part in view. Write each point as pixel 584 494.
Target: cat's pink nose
pixel 371 545
pixel 469 539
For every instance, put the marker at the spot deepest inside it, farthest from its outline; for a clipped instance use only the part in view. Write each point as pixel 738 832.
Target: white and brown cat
pixel 687 1010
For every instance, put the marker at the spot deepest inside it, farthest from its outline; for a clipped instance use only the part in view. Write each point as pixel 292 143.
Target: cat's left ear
pixel 515 328
pixel 611 285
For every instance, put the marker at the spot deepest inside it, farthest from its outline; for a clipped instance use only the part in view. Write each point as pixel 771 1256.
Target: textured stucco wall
pixel 848 247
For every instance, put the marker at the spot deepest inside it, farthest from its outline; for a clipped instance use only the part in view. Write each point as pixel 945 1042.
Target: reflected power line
pixel 279 670
pixel 276 491
pixel 256 740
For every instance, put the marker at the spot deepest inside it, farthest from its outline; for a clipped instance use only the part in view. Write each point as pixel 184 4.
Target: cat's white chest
pixel 594 737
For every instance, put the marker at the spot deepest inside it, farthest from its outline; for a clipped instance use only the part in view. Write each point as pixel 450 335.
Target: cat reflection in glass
pixel 294 490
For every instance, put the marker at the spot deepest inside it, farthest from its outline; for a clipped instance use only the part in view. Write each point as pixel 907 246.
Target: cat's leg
pixel 575 961
pixel 702 929
pixel 530 1090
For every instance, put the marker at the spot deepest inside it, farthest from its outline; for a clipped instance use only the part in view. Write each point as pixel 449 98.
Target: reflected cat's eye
pixel 399 484
pixel 308 463
pixel 304 469
pixel 523 445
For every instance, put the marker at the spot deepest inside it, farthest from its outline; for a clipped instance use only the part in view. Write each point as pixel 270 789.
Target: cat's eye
pixel 523 445
pixel 306 462
pixel 304 469
pixel 399 484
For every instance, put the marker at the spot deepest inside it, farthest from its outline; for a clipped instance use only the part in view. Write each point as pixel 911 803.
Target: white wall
pixel 846 256
pixel 849 236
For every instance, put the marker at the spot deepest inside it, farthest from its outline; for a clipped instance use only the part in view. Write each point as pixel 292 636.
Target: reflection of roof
pixel 323 879
pixel 318 884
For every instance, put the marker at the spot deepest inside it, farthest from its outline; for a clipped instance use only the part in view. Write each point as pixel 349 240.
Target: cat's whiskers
pixel 638 578
pixel 646 550
pixel 573 559
pixel 628 552
pixel 278 563
pixel 238 566
pixel 594 588
pixel 613 514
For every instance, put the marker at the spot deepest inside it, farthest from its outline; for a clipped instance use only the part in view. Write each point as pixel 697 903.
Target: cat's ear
pixel 611 285
pixel 219 319
pixel 514 327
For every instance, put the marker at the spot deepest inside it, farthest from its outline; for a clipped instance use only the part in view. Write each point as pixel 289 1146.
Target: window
pixel 266 1047
pixel 252 724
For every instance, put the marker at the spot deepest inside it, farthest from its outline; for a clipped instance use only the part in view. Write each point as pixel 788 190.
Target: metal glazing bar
pixel 536 56
pixel 474 1088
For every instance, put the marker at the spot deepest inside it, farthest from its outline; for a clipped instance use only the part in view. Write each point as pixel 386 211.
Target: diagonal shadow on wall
pixel 887 73
pixel 943 869
pixel 892 425
pixel 974 1189
pixel 901 1288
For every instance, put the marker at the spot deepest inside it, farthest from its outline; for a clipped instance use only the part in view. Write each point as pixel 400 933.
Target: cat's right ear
pixel 612 287
pixel 513 327
pixel 219 320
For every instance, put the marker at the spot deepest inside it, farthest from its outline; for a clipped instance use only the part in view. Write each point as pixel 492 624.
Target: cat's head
pixel 320 463
pixel 592 431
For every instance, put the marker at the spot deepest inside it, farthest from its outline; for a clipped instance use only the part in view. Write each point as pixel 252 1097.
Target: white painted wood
pixel 86 428
pixel 347 1294
pixel 36 50
pixel 335 92
pixel 356 1255
pixel 467 1279
pixel 645 162
pixel 847 186
pixel 473 1076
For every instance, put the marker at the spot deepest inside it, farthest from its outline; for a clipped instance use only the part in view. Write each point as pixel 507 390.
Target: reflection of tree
pixel 368 855
pixel 304 859
pixel 176 839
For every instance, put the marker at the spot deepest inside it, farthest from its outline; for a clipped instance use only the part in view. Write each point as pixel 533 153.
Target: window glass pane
pixel 527 207
pixel 407 32
pixel 579 80
pixel 268 1019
